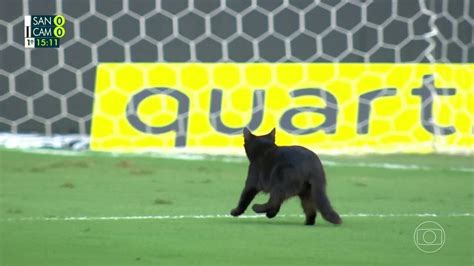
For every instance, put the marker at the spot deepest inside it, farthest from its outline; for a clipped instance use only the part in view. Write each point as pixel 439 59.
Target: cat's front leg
pixel 246 197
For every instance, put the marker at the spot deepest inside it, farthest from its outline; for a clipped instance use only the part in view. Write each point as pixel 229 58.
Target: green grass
pixel 94 184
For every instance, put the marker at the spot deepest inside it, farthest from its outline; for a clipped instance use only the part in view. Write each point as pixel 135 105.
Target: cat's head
pixel 255 145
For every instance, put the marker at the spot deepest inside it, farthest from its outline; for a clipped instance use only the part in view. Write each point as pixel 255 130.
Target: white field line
pixel 394 166
pixel 220 216
pixel 237 158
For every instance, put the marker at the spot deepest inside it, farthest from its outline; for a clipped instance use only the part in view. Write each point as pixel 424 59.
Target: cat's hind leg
pixel 308 205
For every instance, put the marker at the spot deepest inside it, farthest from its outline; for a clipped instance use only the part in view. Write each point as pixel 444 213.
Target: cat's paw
pixel 259 208
pixel 236 212
pixel 271 213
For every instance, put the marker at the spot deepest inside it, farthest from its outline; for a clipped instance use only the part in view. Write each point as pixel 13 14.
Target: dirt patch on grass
pixel 133 169
pixel 14 211
pixel 416 199
pixel 360 184
pixel 37 169
pixel 160 201
pixel 62 164
pixel 124 164
pixel 71 164
pixel 68 184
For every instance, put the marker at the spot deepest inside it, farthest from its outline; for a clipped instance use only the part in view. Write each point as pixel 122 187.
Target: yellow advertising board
pixel 330 108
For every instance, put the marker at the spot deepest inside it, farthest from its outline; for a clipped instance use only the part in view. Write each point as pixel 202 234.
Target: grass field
pixel 38 190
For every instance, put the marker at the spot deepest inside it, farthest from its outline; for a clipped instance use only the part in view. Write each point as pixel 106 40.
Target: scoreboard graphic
pixel 44 31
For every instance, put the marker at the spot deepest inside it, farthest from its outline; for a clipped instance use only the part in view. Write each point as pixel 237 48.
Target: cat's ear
pixel 272 134
pixel 247 134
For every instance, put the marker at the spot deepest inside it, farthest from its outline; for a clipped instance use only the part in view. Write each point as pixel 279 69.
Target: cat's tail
pixel 324 206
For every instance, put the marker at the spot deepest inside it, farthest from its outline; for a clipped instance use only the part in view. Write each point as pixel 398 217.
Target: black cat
pixel 284 172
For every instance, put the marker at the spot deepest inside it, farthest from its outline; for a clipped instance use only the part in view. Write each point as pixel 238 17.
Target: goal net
pixel 336 76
